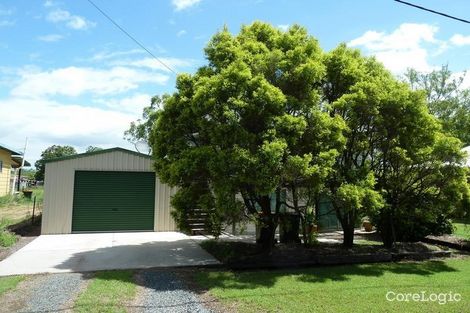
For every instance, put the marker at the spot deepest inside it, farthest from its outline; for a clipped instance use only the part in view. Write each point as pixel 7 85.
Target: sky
pixel 68 76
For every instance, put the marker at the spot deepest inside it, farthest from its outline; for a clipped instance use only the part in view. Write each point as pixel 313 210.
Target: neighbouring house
pixel 10 162
pixel 109 190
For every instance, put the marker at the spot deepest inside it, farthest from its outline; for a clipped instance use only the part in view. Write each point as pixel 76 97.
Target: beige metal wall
pixel 59 185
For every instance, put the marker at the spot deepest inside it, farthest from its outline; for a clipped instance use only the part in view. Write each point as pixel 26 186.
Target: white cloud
pixel 283 27
pixel 184 4
pixel 50 38
pixel 181 33
pixel 74 81
pixel 460 40
pixel 466 78
pixel 6 23
pixel 49 3
pixel 153 64
pixel 407 46
pixel 6 12
pixel 72 21
pixel 132 104
pixel 105 55
pixel 48 122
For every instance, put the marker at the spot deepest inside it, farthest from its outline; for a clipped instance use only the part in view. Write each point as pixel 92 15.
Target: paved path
pixel 105 251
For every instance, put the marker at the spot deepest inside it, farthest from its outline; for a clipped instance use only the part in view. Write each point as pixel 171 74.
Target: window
pixel 1 165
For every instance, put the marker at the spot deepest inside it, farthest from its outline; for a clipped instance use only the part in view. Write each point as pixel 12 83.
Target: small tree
pixel 446 99
pixel 93 149
pixel 52 152
pixel 139 131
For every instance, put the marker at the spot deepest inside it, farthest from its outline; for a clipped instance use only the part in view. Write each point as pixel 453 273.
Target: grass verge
pixel 9 282
pixel 353 288
pixel 107 292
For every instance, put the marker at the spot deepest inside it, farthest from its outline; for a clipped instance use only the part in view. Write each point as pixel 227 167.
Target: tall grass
pixel 7 238
pixel 20 199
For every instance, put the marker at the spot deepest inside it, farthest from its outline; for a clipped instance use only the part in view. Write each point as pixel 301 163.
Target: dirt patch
pixel 14 300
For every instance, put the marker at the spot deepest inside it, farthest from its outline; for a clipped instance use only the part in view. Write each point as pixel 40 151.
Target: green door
pixel 327 219
pixel 113 201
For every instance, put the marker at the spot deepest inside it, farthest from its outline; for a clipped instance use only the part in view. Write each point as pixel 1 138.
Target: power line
pixel 432 11
pixel 131 37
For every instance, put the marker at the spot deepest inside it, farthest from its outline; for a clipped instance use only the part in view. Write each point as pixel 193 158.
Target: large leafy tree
pixel 249 123
pixel 353 90
pixel 397 166
pixel 52 152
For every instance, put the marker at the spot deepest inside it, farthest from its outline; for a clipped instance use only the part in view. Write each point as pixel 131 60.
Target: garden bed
pixel 243 255
pixel 449 241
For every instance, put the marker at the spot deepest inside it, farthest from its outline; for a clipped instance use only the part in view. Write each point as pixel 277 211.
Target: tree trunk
pixel 387 231
pixel 267 223
pixel 267 236
pixel 347 223
pixel 348 236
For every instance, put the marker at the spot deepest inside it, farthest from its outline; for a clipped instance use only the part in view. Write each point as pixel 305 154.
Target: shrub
pixel 7 239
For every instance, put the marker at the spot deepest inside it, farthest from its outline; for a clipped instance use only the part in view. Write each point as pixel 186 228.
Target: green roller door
pixel 113 201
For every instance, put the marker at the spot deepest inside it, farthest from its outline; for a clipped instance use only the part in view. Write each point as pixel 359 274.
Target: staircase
pixel 197 222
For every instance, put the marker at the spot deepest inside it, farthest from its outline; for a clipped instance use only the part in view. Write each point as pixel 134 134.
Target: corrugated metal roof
pixel 5 147
pixel 81 155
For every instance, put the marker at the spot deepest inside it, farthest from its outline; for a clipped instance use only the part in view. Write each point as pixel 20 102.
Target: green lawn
pixel 354 288
pixel 9 282
pixel 107 292
pixel 462 230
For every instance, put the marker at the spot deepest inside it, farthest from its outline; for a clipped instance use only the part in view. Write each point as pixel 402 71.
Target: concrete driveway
pixel 105 251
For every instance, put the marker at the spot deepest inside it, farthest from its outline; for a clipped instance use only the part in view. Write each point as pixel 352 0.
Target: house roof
pixel 18 159
pixel 86 154
pixel 16 156
pixel 13 152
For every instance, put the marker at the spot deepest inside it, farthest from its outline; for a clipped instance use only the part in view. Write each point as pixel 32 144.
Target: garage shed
pixel 109 190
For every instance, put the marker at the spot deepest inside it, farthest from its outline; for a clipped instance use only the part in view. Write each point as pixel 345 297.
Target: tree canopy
pixel 272 112
pixel 52 152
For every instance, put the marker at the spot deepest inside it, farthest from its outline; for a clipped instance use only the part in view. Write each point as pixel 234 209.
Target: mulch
pixel 449 241
pixel 246 256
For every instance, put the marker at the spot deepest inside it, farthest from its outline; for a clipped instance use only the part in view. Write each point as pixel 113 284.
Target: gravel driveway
pixel 157 291
pixel 165 292
pixel 44 293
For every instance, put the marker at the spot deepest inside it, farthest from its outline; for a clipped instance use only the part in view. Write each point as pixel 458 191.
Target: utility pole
pixel 22 164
